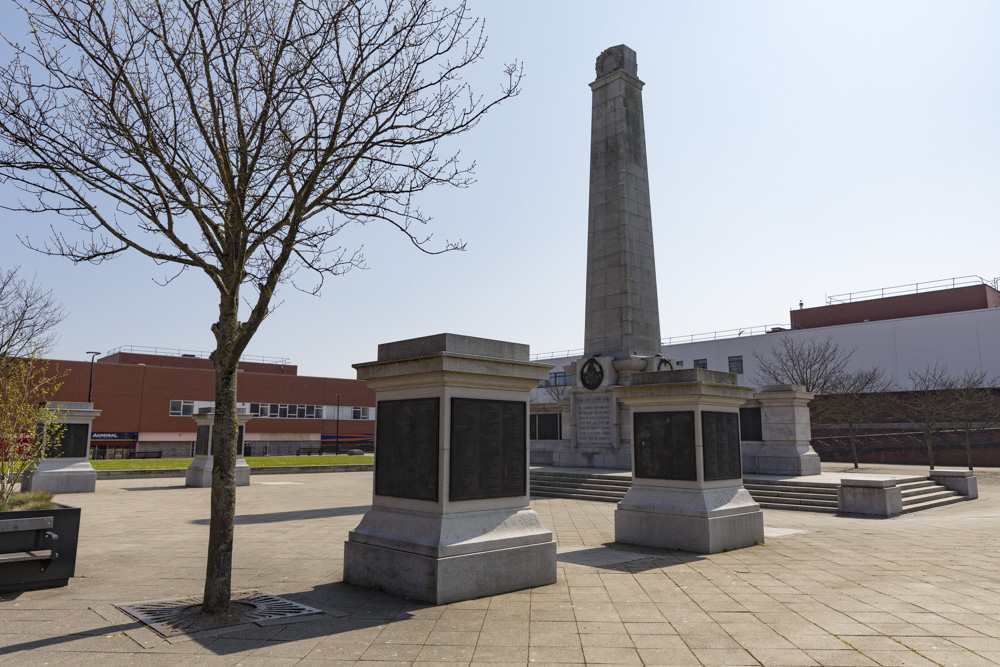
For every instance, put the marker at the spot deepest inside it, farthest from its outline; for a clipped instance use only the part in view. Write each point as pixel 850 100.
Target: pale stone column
pixel 622 317
pixel 199 472
pixel 687 487
pixel 451 518
pixel 68 469
pixel 786 445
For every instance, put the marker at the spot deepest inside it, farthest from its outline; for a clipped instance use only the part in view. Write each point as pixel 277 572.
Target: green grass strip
pixel 252 461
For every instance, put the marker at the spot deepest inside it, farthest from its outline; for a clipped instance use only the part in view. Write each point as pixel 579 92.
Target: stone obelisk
pixel 622 314
pixel 622 329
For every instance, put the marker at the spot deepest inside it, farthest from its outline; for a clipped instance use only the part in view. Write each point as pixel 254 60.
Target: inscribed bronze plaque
pixel 720 433
pixel 203 440
pixel 72 442
pixel 750 425
pixel 406 448
pixel 664 445
pixel 488 449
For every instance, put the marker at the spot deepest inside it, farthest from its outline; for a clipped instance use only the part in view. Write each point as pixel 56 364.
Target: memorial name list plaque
pixel 721 445
pixel 488 449
pixel 664 445
pixel 406 448
pixel 593 419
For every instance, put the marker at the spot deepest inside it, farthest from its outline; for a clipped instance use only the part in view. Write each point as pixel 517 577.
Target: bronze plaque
pixel 489 449
pixel 664 445
pixel 72 442
pixel 720 434
pixel 203 440
pixel 406 448
pixel 750 425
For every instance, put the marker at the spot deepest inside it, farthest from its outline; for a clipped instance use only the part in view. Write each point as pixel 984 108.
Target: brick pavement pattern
pixel 923 589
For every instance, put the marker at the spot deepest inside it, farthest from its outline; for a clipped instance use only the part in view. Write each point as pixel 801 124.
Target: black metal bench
pixel 43 543
pixel 309 451
pixel 149 455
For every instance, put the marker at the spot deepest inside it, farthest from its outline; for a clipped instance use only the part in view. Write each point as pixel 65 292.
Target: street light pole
pixel 90 389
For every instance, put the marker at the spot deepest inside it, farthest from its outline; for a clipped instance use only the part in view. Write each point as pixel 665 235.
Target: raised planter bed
pixel 38 548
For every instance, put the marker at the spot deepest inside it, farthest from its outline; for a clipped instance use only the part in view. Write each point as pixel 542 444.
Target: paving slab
pixel 822 590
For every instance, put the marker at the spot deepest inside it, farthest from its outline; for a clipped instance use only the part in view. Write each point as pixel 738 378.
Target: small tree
pixel 929 403
pixel 28 428
pixel 236 139
pixel 856 397
pixel 815 363
pixel 976 407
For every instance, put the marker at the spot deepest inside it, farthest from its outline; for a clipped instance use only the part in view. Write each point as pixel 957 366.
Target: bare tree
pixel 929 403
pixel 975 406
pixel 855 398
pixel 815 363
pixel 28 316
pixel 237 138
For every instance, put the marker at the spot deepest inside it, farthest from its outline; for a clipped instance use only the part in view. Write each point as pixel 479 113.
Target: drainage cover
pixel 170 618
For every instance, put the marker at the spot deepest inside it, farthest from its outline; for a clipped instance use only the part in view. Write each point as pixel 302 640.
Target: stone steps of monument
pixel 793 495
pixel 920 496
pixel 604 488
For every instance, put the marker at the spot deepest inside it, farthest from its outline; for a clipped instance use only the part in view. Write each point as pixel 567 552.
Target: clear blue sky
pixel 796 149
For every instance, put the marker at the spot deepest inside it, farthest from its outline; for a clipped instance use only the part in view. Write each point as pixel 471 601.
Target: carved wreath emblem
pixel 592 375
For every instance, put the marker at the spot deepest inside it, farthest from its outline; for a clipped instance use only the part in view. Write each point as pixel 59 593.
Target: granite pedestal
pixel 687 489
pixel 66 467
pixel 199 471
pixel 783 445
pixel 451 518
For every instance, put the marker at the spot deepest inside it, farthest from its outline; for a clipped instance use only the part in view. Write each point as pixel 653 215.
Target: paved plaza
pixel 923 589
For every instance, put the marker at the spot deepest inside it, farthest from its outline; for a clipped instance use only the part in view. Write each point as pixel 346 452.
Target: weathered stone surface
pixel 622 315
pixel 870 497
pixel 453 344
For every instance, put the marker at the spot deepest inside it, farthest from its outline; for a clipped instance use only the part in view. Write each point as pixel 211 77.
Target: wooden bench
pixel 149 455
pixel 41 526
pixel 309 451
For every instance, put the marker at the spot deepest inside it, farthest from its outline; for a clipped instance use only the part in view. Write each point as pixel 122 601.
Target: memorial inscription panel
pixel 593 419
pixel 751 428
pixel 664 445
pixel 488 449
pixel 73 441
pixel 202 441
pixel 720 433
pixel 406 448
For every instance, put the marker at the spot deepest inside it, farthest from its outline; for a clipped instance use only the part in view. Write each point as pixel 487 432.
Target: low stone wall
pixel 267 470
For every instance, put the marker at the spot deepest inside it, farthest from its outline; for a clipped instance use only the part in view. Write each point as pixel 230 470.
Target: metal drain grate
pixel 170 618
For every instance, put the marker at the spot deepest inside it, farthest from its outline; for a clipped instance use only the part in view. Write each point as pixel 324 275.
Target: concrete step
pixel 933 504
pixel 602 479
pixel 929 496
pixel 593 484
pixel 575 495
pixel 799 508
pixel 794 498
pixel 791 491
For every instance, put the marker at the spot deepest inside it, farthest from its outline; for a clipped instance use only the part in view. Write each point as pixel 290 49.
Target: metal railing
pixel 676 340
pixel 191 354
pixel 912 288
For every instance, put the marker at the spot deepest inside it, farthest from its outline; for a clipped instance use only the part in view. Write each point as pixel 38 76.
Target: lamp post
pixel 338 423
pixel 90 389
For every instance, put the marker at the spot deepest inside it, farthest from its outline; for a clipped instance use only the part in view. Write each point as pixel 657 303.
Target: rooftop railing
pixel 192 354
pixel 912 288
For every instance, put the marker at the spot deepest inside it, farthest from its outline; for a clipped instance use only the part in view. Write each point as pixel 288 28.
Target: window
pixel 181 408
pixel 557 380
pixel 736 365
pixel 546 427
pixel 701 363
pixel 359 413
pixel 680 364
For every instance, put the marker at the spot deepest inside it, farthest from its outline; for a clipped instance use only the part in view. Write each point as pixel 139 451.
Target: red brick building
pixel 147 399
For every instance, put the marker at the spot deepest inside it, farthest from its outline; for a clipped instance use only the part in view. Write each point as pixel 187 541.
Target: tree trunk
pixel 930 449
pixel 968 447
pixel 225 430
pixel 854 447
